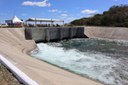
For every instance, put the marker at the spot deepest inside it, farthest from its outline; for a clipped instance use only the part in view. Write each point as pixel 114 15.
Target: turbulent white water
pixel 97 66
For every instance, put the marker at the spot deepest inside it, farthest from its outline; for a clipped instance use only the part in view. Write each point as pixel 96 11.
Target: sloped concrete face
pixel 119 33
pixel 54 33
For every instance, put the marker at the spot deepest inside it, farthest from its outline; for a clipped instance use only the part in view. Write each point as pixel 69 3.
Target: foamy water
pixel 96 65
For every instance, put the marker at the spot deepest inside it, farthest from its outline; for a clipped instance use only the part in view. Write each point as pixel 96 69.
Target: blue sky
pixel 67 10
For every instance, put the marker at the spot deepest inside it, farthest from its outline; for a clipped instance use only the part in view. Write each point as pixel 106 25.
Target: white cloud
pixel 57 11
pixel 64 15
pixel 44 3
pixel 54 10
pixel 90 12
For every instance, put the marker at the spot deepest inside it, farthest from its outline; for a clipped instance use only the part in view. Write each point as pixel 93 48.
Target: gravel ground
pixel 7 78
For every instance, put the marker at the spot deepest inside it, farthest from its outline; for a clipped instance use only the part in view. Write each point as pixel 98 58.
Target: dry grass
pixel 7 78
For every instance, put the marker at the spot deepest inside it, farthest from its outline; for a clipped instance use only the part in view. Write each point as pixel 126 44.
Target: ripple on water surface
pixel 96 59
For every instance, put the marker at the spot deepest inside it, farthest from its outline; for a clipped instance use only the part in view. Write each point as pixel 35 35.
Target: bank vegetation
pixel 116 16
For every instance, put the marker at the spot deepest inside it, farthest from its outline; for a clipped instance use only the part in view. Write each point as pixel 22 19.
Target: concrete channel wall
pixel 53 33
pixel 118 33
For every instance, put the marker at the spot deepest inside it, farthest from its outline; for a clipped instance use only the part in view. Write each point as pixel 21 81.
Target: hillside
pixel 116 16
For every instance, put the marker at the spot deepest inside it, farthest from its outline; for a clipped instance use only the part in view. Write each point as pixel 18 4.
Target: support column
pixel 63 23
pixel 51 23
pixel 47 35
pixel 61 33
pixel 71 32
pixel 35 23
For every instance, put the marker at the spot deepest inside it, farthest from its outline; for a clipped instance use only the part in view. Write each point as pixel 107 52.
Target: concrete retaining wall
pixel 54 33
pixel 120 33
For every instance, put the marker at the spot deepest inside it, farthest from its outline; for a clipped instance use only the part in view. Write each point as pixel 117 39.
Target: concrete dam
pixel 54 33
pixel 46 34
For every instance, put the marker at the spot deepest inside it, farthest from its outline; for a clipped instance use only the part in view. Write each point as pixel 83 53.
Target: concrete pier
pixel 53 33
